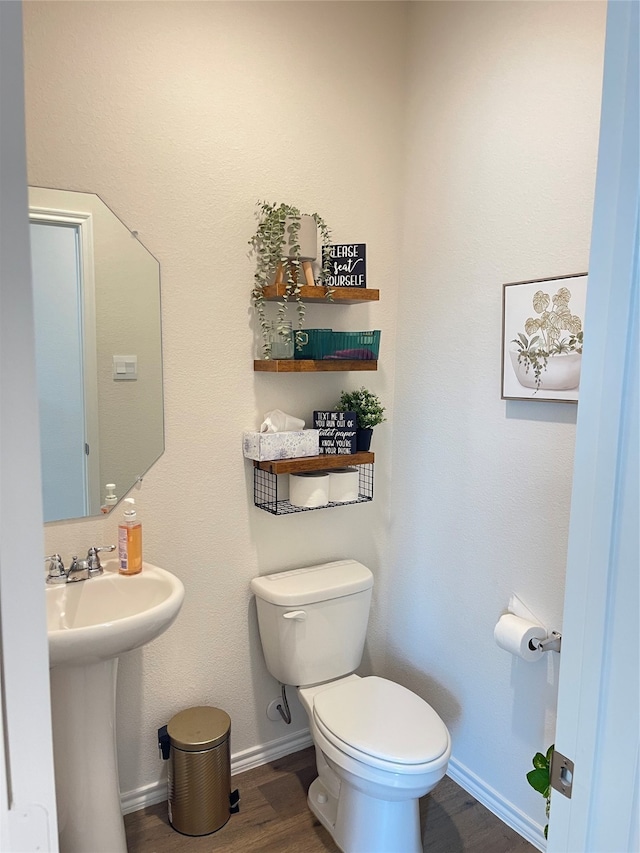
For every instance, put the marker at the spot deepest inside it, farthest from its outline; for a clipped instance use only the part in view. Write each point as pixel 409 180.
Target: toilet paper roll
pixel 309 489
pixel 343 485
pixel 513 634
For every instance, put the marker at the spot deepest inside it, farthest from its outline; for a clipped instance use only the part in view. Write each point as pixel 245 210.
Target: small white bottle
pixel 130 540
pixel 111 499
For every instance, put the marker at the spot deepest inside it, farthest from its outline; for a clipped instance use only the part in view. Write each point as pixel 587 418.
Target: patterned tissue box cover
pixel 263 446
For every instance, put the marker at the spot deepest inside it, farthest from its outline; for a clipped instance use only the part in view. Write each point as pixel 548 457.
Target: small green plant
pixel 369 412
pixel 276 243
pixel 540 779
pixel 543 334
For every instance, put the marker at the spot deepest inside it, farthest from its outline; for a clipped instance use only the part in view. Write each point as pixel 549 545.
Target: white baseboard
pixel 246 759
pixel 496 803
pixel 255 756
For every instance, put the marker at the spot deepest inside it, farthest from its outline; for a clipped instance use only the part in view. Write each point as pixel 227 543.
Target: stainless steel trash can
pixel 199 770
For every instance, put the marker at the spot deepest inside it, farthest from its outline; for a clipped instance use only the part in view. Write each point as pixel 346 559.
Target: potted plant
pixel 284 241
pixel 542 348
pixel 540 779
pixel 369 413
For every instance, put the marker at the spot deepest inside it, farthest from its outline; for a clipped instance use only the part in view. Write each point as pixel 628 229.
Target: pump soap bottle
pixel 110 499
pixel 130 540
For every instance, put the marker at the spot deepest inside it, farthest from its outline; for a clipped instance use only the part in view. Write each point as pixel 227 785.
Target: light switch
pixel 125 366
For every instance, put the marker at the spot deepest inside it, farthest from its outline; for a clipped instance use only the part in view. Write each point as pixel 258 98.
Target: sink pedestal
pixel 90 624
pixel 83 702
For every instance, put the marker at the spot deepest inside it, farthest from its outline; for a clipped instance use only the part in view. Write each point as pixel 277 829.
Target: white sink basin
pixel 91 623
pixel 97 619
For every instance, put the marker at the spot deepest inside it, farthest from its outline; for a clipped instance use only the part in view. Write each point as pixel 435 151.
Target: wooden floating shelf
pixel 306 365
pixel 341 295
pixel 326 462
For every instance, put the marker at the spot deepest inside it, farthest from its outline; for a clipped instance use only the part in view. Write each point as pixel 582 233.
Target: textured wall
pixel 181 116
pixel 504 111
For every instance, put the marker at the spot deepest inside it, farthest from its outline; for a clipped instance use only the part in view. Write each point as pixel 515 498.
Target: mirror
pixel 98 352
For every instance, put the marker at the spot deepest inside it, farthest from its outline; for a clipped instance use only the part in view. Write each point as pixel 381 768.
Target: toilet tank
pixel 313 621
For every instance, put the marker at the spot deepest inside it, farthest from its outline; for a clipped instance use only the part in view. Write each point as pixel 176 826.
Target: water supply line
pixel 283 709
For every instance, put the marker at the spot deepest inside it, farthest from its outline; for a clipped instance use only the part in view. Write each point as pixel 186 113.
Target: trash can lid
pixel 198 728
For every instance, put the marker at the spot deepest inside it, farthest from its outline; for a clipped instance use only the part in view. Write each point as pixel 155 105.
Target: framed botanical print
pixel 542 338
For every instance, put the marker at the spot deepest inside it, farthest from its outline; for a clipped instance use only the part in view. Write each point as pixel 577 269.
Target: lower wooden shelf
pixel 326 462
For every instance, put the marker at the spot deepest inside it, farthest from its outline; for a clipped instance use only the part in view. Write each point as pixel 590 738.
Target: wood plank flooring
pixel 274 818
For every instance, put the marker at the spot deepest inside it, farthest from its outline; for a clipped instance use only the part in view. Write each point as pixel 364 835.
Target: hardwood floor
pixel 274 818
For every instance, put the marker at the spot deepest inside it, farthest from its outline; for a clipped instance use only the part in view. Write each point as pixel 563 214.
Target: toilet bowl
pixel 379 746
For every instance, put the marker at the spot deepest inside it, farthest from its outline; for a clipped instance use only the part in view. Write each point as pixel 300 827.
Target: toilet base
pixel 359 823
pixel 323 804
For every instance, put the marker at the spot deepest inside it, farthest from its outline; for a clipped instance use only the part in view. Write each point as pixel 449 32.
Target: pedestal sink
pixel 91 623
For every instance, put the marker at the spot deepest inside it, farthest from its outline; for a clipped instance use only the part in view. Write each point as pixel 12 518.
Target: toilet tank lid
pixel 313 583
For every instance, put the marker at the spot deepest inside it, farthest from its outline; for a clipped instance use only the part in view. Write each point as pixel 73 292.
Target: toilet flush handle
pixel 298 615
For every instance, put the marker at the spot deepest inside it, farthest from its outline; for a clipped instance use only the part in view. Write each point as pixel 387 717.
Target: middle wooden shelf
pixel 307 365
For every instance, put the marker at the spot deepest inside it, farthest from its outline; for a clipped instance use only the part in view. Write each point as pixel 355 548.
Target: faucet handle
pixel 93 560
pixel 56 573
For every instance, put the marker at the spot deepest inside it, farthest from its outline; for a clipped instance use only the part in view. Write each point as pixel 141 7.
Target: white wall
pixel 181 116
pixel 503 116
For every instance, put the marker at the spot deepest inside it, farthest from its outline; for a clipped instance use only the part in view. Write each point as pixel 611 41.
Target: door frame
pixel 83 221
pixel 597 725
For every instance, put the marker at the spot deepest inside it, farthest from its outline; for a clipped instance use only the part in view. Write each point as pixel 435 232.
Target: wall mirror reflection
pixel 98 352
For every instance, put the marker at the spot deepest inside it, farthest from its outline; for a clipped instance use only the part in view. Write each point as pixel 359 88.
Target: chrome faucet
pixel 93 560
pixel 56 573
pixel 79 570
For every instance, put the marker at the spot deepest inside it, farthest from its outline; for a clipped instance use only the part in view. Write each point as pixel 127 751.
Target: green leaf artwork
pixel 543 335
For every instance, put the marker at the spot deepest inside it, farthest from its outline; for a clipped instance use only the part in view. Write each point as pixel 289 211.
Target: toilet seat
pixel 381 723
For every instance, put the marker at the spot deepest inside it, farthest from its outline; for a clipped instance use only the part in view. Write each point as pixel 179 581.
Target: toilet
pixel 379 747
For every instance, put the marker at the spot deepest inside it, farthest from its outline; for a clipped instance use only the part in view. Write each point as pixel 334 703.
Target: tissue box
pixel 262 446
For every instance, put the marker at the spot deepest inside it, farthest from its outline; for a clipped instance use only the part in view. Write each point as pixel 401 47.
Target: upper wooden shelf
pixel 315 463
pixel 307 365
pixel 342 295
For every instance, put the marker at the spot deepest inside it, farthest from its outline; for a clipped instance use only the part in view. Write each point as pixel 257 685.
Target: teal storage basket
pixel 311 343
pixel 358 346
pixel 319 344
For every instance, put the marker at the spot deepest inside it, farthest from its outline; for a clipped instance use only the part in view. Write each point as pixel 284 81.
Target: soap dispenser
pixel 130 540
pixel 111 499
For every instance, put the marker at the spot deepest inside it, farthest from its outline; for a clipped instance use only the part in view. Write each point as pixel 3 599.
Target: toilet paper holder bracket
pixel 552 643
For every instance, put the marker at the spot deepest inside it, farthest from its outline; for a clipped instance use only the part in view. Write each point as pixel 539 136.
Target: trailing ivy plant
pixel 543 334
pixel 276 242
pixel 540 779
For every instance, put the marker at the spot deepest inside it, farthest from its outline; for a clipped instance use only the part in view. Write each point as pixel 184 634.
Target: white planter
pixel 307 238
pixel 562 372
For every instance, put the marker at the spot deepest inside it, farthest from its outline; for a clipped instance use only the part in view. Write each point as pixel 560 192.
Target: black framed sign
pixel 348 266
pixel 337 432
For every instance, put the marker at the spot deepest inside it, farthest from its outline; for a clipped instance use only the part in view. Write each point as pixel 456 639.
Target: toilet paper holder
pixel 552 643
